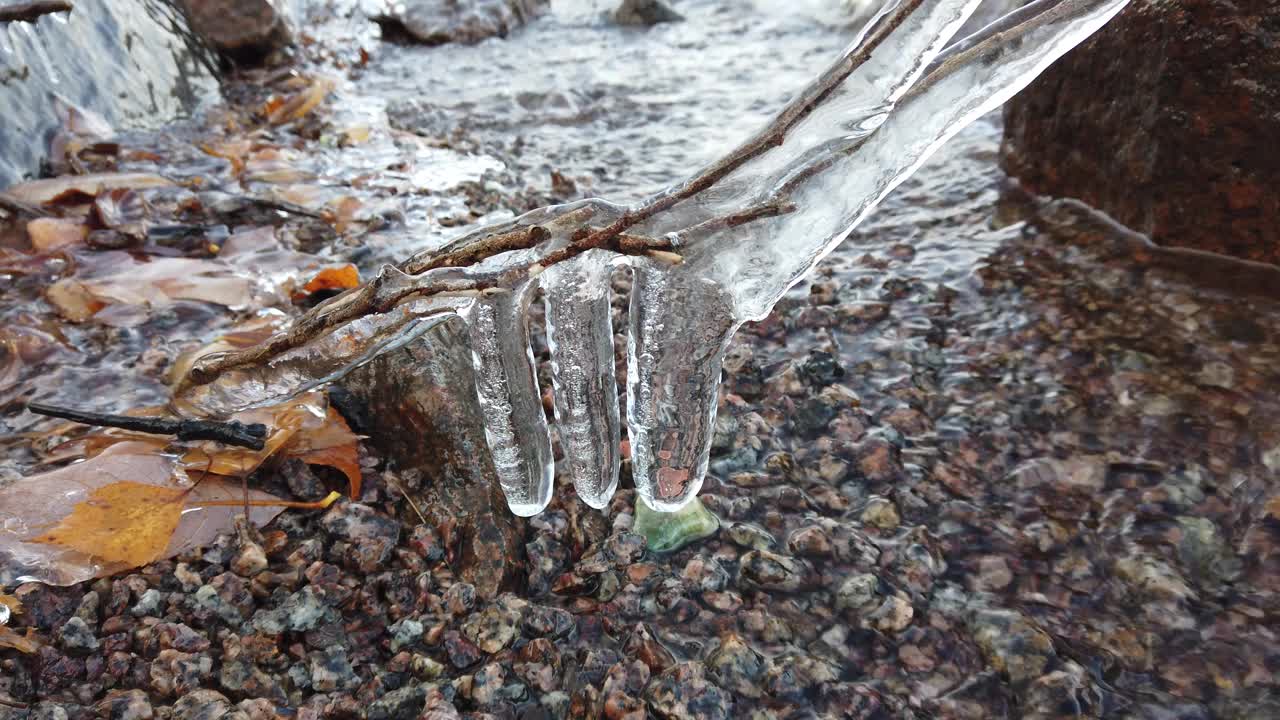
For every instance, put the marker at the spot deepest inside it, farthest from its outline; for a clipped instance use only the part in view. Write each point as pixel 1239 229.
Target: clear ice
pixel 743 240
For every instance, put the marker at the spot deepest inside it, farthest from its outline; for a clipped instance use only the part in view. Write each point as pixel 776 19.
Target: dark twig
pixel 32 11
pixel 247 435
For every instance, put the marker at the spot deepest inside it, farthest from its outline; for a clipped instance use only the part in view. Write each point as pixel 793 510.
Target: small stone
pixel 668 532
pixel 770 571
pixel 493 628
pixel 683 693
pixel 1012 644
pixel 402 704
pixel 857 592
pixel 993 574
pixel 331 670
pixel 125 705
pixel 881 513
pixel 487 684
pixel 749 536
pixel 148 604
pixel 405 633
pixel 810 541
pixel 435 22
pixel 893 615
pixel 462 652
pixel 201 705
pixel 76 638
pixel 239 27
pixel 736 667
pixel 460 598
pixel 250 561
pixel 645 13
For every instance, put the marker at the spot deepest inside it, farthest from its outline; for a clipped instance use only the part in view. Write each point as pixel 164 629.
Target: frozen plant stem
pixel 708 254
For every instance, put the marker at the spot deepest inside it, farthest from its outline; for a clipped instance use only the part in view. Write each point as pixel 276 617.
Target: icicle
pixel 580 334
pixel 507 387
pixel 679 329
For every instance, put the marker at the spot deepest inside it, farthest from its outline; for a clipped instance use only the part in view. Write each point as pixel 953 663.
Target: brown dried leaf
pixel 28 643
pixel 125 522
pixel 49 234
pixel 331 444
pixel 39 192
pixel 30 507
pixel 299 104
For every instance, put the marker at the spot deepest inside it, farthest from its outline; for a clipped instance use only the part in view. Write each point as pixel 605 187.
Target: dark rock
pixel 549 622
pixel 241 28
pixel 331 670
pixel 493 628
pixel 645 13
pixel 372 535
pixel 820 369
pixel 1157 121
pixel 462 652
pixel 436 22
pixel 1012 645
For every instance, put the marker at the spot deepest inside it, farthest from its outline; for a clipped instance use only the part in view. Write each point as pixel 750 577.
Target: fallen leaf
pixel 39 192
pixel 343 277
pixel 300 103
pixel 74 300
pixel 9 606
pixel 332 444
pixel 48 234
pixel 30 506
pixel 28 643
pixel 126 522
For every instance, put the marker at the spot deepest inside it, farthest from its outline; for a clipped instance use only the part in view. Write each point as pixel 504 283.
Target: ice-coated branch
pixel 707 253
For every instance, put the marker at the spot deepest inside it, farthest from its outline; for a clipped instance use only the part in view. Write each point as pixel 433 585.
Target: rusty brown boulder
pixel 241 28
pixel 1168 120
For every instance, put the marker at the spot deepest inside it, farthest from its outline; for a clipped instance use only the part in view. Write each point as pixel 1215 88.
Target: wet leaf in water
pixel 28 643
pixel 299 104
pixel 39 192
pixel 126 522
pixel 49 234
pixel 343 277
pixel 39 506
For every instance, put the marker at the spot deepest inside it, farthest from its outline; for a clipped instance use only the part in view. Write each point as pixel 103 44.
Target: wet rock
pixel 1012 645
pixel 770 571
pixel 250 561
pixel 125 705
pixel 372 535
pixel 881 513
pixel 1065 692
pixel 176 673
pixel 893 615
pixel 405 633
pixel 1158 79
pixel 643 646
pixel 241 28
pixel 992 574
pixel 493 628
pixel 668 532
pixel 541 621
pixel 644 13
pixel 462 652
pixel 736 667
pixel 684 693
pixel 201 705
pixel 246 680
pixel 436 22
pixel 857 592
pixel 547 559
pixel 749 536
pixel 331 670
pixel 76 638
pixel 148 603
pixel 402 704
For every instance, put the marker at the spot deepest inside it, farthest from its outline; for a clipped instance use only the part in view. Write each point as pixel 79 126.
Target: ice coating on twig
pixel 580 334
pixel 507 387
pixel 708 253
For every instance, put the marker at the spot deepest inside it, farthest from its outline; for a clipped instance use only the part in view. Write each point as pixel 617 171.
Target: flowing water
pixel 1057 459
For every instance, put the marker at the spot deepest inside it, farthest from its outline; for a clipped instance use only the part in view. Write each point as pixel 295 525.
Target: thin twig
pixel 394 283
pixel 14 206
pixel 31 11
pixel 233 432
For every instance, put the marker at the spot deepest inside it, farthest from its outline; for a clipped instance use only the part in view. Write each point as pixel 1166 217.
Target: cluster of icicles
pixel 733 239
